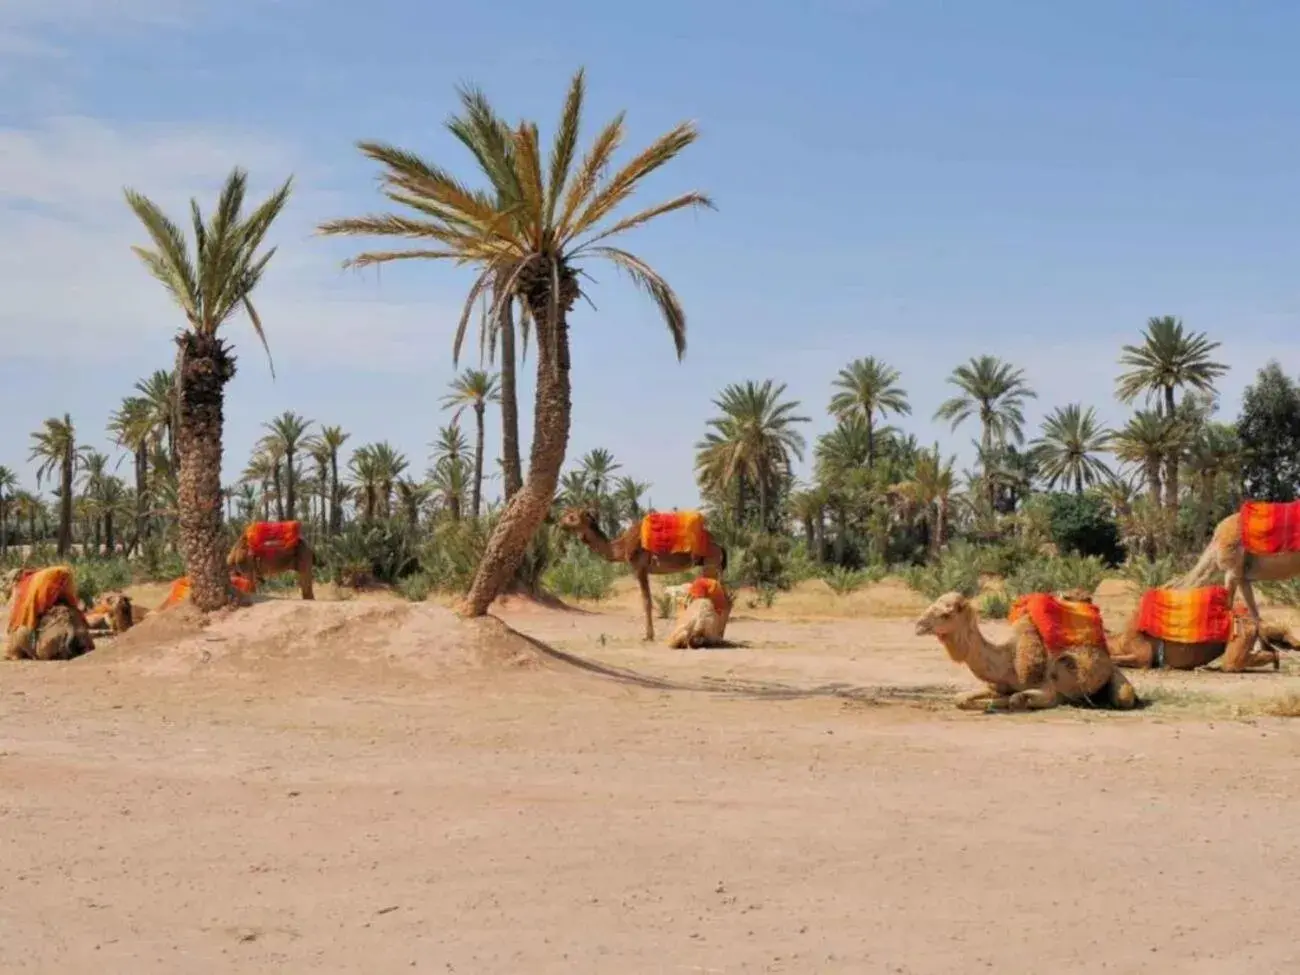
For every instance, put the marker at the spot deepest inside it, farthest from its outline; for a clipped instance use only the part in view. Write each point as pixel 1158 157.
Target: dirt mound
pixel 320 639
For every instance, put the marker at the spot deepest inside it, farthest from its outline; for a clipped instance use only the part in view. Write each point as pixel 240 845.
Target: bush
pixel 1056 574
pixel 957 570
pixel 1081 524
pixel 995 606
pixel 159 563
pixel 581 574
pixel 381 551
pixel 764 562
pixel 416 587
pixel 844 581
pixel 1146 574
pixel 664 605
pixel 1287 593
pixel 94 577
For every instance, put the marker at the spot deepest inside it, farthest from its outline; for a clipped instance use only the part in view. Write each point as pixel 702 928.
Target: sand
pixel 372 786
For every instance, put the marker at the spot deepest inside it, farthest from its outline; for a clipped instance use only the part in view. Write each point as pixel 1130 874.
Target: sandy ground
pixel 374 786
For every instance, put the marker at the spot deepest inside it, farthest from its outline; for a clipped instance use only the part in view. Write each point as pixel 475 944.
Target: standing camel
pixel 1023 674
pixel 657 559
pixel 1260 543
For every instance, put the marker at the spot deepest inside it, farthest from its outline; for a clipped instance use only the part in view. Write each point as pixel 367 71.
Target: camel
pixel 1020 674
pixel 703 619
pixel 61 634
pixel 1136 650
pixel 627 548
pixel 116 613
pixel 1226 556
pixel 256 560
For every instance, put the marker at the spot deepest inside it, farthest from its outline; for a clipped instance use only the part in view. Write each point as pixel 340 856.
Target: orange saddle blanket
pixel 180 589
pixel 1270 527
pixel 268 538
pixel 674 533
pixel 710 589
pixel 1062 624
pixel 1186 615
pixel 37 592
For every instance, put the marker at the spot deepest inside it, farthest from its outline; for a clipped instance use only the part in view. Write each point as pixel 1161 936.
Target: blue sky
pixel 913 180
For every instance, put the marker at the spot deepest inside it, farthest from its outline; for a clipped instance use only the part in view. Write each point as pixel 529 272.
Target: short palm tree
pixel 450 469
pixel 929 493
pixel 288 433
pixel 1168 359
pixel 627 498
pixel 54 448
pixel 529 235
pixel 476 388
pixel 1068 447
pixel 131 427
pixel 752 442
pixel 867 388
pixel 329 442
pixel 209 283
pixel 1145 441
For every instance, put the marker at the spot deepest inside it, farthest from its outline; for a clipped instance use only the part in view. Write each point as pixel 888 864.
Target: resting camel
pixel 702 621
pixel 267 548
pixel 1020 674
pixel 116 613
pixel 46 624
pixel 628 548
pixel 1227 556
pixel 1182 629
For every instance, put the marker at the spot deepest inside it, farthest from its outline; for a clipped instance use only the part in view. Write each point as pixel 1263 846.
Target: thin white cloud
pixel 73 287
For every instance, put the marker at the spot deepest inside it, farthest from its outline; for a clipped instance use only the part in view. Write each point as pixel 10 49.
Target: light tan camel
pixel 61 634
pixel 1020 674
pixel 1226 557
pixel 1135 649
pixel 700 624
pixel 627 548
pixel 115 613
pixel 299 558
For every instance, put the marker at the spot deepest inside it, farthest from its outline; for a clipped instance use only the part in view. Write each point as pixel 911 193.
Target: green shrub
pixel 1056 574
pixel 1287 593
pixel 381 551
pixel 416 587
pixel 844 581
pixel 664 605
pixel 1146 574
pixel 764 562
pixel 1081 524
pixel 580 574
pixel 95 576
pixel 995 606
pixel 763 596
pixel 958 570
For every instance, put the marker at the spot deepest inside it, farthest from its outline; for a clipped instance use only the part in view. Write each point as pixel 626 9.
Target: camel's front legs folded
pixel 1036 700
pixel 1241 653
pixel 981 699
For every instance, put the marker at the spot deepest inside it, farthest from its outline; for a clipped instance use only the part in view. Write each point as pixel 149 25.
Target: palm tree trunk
pixel 279 492
pixel 110 543
pixel 141 489
pixel 477 496
pixel 65 506
pixel 289 486
pixel 871 442
pixel 204 366
pixel 336 509
pixel 1171 462
pixel 510 463
pixel 4 527
pixel 552 412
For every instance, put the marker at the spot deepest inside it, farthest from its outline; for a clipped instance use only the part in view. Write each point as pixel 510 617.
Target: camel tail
pixel 1203 573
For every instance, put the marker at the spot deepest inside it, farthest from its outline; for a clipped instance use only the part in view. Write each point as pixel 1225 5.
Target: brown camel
pixel 256 563
pixel 627 548
pixel 116 613
pixel 1020 674
pixel 1226 557
pixel 60 634
pixel 1135 649
pixel 702 622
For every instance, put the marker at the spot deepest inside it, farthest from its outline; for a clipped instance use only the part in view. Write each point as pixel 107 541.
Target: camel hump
pixel 1061 624
pixel 1270 527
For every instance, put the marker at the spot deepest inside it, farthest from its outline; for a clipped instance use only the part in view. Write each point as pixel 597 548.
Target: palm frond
pixel 566 141
pixel 593 164
pixel 645 216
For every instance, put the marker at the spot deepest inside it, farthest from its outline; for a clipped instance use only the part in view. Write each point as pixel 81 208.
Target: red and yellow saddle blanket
pixel 37 591
pixel 1187 615
pixel 710 589
pixel 180 590
pixel 1270 527
pixel 674 533
pixel 1063 624
pixel 266 539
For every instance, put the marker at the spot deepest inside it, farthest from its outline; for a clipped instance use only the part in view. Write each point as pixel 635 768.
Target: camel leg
pixel 643 580
pixel 305 560
pixel 1241 654
pixel 1038 699
pixel 1248 594
pixel 1120 693
pixel 1136 661
pixel 981 699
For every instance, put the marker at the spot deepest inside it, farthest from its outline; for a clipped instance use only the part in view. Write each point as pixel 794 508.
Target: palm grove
pixel 530 227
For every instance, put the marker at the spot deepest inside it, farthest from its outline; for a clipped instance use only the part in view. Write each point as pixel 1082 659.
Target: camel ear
pixel 961 602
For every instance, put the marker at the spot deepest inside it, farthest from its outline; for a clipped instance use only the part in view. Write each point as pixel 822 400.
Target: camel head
pixel 944 615
pixel 119 611
pixel 577 520
pixel 239 553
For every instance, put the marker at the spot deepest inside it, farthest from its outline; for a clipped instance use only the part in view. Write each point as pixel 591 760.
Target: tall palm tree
pixel 627 498
pixel 929 492
pixel 330 441
pixel 158 391
pixel 1146 441
pixel 867 387
pixel 54 447
pixel 450 470
pixel 8 485
pixel 476 388
pixel 132 427
pixel 994 392
pixel 209 284
pixel 288 433
pixel 1215 452
pixel 365 475
pixel 1068 447
pixel 390 464
pixel 94 474
pixel 1168 359
pixel 752 442
pixel 531 233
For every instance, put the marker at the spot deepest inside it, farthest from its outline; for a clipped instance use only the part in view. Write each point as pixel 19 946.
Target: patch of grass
pixel 844 581
pixel 664 605
pixel 958 570
pixel 416 587
pixel 1146 574
pixel 1056 574
pixel 580 574
pixel 1286 706
pixel 995 606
